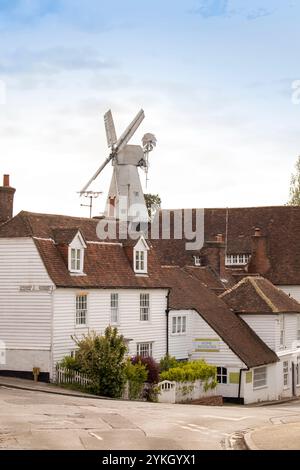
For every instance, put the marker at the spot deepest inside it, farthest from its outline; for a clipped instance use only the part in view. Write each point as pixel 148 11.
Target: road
pixel 36 420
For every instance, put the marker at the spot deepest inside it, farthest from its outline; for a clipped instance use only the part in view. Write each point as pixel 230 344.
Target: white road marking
pixel 227 418
pixel 203 430
pixel 96 436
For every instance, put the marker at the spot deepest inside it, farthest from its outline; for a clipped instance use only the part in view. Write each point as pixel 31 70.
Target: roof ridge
pixel 263 295
pixel 23 215
pixel 236 286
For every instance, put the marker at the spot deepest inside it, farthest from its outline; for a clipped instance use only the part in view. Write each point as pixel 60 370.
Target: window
pixel 81 310
pixel 76 260
pixel 221 375
pixel 298 327
pixel 237 259
pixel 144 307
pixel 260 377
pixel 144 349
pixel 282 333
pixel 197 260
pixel 114 308
pixel 285 374
pixel 179 325
pixel 298 373
pixel 140 261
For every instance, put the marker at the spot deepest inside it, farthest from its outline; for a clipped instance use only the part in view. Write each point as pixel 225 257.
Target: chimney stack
pixel 6 200
pixel 259 262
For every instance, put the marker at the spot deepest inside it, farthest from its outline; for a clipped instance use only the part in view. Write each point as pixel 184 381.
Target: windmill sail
pixel 128 133
pixel 110 129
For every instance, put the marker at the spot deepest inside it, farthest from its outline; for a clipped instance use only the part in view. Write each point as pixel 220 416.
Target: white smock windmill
pixel 125 191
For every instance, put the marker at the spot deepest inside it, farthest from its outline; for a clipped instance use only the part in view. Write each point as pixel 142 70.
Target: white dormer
pixel 140 256
pixel 76 254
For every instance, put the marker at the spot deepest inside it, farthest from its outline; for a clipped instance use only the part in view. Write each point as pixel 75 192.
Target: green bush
pixel 69 362
pixel 167 362
pixel 136 375
pixel 191 371
pixel 102 358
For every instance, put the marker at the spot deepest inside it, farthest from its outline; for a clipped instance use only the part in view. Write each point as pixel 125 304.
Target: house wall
pixel 99 318
pixel 269 392
pixel 265 326
pixel 293 291
pixel 25 317
pixel 213 350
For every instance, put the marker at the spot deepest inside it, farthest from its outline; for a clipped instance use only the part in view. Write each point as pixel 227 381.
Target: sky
pixel 219 81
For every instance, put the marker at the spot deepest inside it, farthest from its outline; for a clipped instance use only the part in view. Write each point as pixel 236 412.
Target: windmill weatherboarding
pixel 125 189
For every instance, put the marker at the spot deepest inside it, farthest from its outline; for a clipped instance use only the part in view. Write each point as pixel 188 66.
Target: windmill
pixel 125 192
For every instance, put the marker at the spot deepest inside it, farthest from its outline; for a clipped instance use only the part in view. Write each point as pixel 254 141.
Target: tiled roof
pixel 107 266
pixel 186 294
pixel 258 295
pixel 64 236
pixel 281 226
pixel 207 276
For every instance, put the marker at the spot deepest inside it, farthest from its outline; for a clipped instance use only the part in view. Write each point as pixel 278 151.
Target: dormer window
pixel 140 257
pixel 76 254
pixel 240 259
pixel 76 260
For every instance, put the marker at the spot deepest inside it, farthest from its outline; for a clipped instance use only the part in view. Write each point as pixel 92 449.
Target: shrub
pixel 69 362
pixel 136 375
pixel 191 371
pixel 167 362
pixel 102 358
pixel 151 366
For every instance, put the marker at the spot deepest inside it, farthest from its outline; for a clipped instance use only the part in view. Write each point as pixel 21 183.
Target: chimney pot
pixel 6 181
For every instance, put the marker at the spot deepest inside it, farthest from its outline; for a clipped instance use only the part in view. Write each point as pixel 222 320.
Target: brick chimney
pixel 259 263
pixel 214 251
pixel 6 200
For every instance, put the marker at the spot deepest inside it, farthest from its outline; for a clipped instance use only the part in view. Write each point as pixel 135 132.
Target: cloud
pixel 222 9
pixel 212 8
pixel 259 13
pixel 52 61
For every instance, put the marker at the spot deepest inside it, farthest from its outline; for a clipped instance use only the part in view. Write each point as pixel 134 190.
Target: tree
pixel 153 203
pixel 295 186
pixel 102 358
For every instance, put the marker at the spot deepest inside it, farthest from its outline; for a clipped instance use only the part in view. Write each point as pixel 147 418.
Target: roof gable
pixel 257 295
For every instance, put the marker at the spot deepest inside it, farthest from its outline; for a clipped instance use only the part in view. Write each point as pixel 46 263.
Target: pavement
pixel 43 416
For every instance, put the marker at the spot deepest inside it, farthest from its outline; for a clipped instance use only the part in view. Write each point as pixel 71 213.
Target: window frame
pixel 297 366
pixel 141 261
pixel 237 259
pixel 222 373
pixel 78 311
pixel 286 374
pixel 144 343
pixel 258 370
pixel 146 295
pixel 197 260
pixel 76 259
pixel 176 321
pixel 281 332
pixel 114 309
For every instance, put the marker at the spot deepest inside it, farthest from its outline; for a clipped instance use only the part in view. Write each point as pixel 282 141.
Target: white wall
pixel 269 392
pixel 293 291
pixel 25 317
pixel 99 318
pixel 265 326
pixel 181 346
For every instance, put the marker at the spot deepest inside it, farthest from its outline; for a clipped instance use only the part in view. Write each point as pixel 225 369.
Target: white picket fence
pixel 178 392
pixel 68 376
